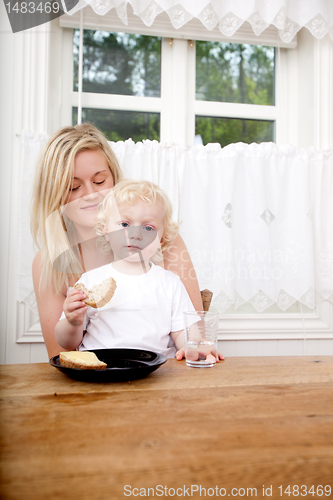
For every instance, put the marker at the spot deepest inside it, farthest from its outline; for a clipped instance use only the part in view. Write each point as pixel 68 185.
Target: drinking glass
pixel 201 329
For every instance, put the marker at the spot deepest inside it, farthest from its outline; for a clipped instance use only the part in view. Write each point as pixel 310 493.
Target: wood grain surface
pixel 251 424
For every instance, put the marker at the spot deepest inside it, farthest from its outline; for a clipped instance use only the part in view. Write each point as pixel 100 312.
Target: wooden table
pixel 246 423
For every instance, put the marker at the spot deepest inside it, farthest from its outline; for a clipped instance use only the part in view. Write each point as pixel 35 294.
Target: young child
pixel 146 311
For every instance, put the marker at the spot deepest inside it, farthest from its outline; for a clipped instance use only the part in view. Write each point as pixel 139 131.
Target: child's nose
pixel 135 232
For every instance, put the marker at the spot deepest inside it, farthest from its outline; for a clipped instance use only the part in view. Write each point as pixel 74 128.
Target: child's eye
pixel 124 224
pixel 149 228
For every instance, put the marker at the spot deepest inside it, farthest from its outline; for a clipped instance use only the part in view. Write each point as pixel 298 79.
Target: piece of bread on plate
pixel 100 294
pixel 83 360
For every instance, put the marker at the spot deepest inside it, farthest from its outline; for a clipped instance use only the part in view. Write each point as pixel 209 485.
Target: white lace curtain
pixel 257 219
pixel 289 16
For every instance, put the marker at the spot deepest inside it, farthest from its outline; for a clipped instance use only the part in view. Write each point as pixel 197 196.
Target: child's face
pixel 135 231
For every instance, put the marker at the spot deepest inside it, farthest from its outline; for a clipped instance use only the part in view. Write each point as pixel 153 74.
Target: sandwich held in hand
pixel 83 360
pixel 100 294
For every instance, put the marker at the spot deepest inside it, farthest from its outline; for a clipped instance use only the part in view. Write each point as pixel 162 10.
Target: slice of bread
pixel 100 294
pixel 84 360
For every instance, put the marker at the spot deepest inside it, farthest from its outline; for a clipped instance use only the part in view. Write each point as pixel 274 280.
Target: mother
pixel 77 165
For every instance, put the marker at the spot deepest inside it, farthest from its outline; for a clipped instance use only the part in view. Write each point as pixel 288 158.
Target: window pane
pixel 122 125
pixel 118 63
pixel 229 130
pixel 230 72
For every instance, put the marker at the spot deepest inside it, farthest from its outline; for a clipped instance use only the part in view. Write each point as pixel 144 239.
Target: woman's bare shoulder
pixel 177 252
pixel 37 259
pixel 179 243
pixel 48 291
pixel 37 269
pixel 178 260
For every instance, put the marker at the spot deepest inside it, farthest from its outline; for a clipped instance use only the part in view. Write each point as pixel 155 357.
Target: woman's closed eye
pixel 97 183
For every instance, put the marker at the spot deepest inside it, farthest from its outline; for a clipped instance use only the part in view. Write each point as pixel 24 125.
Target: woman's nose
pixel 89 192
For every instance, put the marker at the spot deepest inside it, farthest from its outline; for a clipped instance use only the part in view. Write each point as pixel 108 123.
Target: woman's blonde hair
pixel 129 192
pixel 51 189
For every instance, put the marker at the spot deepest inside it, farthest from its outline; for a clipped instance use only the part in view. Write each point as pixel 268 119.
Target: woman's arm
pixel 179 262
pixel 50 308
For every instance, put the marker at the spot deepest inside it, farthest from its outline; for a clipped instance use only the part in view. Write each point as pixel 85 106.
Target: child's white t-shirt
pixel 141 314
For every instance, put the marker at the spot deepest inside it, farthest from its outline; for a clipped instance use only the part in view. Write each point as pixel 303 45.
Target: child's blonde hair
pixel 51 189
pixel 129 192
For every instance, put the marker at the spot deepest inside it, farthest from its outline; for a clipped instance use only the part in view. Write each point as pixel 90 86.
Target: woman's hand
pixel 210 357
pixel 74 308
pixel 199 353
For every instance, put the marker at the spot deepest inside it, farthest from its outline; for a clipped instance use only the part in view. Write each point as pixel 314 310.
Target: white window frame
pixel 177 104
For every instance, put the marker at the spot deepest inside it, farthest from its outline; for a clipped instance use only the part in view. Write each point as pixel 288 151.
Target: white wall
pixel 32 92
pixel 24 99
pixel 6 147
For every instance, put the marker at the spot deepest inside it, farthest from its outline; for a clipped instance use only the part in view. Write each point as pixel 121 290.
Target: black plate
pixel 123 364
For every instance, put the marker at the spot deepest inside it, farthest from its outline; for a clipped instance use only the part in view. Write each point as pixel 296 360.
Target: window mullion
pixel 174 90
pixel 117 102
pixel 235 110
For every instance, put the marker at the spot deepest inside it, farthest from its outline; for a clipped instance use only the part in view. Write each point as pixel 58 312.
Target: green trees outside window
pixel 119 63
pixel 230 72
pixel 239 73
pixel 122 125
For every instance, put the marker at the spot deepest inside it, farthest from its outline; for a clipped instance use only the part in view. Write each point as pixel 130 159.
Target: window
pixel 119 64
pixel 135 87
pixel 235 73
